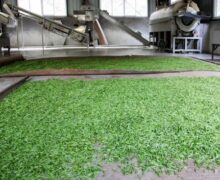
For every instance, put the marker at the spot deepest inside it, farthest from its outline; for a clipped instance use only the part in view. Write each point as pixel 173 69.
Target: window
pixel 174 1
pixel 138 8
pixel 45 7
pixel 217 8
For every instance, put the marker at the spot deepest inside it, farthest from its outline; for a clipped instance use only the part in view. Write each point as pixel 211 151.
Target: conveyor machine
pixel 11 12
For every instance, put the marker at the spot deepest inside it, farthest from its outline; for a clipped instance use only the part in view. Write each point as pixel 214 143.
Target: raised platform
pixel 5 60
pixel 114 51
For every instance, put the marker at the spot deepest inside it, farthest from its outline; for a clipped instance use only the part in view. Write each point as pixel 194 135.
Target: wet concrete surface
pixel 66 72
pixel 131 76
pixel 102 74
pixel 109 51
pixel 190 172
pixel 9 84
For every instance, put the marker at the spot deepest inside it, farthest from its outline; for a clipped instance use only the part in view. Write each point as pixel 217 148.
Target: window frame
pixel 50 16
pixel 128 16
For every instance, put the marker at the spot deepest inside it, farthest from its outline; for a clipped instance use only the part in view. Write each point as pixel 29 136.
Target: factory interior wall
pixel 212 29
pixel 214 34
pixel 75 5
pixel 205 29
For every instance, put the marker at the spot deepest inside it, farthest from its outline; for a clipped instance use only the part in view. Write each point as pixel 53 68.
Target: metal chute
pixel 134 34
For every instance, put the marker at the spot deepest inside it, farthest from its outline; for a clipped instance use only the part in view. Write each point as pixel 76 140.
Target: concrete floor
pixel 5 83
pixel 8 84
pixel 134 76
pixel 190 172
pixel 33 53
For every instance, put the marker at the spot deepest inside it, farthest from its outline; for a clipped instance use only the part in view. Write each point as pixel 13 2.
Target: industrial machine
pixel 180 19
pixel 12 12
pixel 86 23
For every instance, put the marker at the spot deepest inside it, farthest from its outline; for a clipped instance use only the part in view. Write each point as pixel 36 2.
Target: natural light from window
pixel 45 7
pixel 174 1
pixel 133 8
pixel 217 8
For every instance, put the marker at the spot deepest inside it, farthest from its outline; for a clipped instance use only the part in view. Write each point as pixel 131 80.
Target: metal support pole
pixel 17 30
pixel 22 31
pixel 42 10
